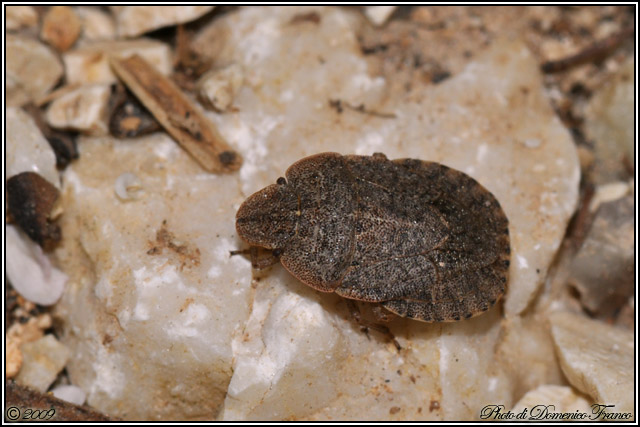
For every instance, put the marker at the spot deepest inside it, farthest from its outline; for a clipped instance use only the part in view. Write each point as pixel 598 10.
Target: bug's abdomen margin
pixel 432 244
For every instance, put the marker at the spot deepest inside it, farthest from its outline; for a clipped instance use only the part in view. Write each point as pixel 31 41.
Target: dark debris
pixel 31 199
pixel 129 118
pixel 23 397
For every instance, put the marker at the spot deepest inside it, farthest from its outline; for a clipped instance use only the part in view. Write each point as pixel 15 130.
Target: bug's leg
pixel 260 258
pixel 355 314
pixel 367 324
pixel 382 315
pixel 260 261
pixel 239 252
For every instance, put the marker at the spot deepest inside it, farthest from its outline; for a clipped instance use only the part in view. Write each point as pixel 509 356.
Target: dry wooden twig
pixel 339 105
pixel 592 53
pixel 177 114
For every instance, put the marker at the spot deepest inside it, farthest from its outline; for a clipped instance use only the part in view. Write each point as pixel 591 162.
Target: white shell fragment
pixel 128 187
pixel 218 88
pixel 596 358
pixel 43 360
pixel 70 393
pixel 135 20
pixel 608 193
pixel 30 271
pixel 27 149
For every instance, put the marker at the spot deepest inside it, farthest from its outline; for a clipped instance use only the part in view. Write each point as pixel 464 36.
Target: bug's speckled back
pixel 424 240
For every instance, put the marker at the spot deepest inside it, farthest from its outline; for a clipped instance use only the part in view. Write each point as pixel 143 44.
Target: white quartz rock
pixel 32 69
pixel 145 306
pixel 90 62
pixel 526 351
pixel 30 271
pixel 135 20
pixel 70 393
pixel 290 345
pixel 471 122
pixel 166 296
pixel 27 149
pixel 43 360
pixel 84 109
pixel 598 359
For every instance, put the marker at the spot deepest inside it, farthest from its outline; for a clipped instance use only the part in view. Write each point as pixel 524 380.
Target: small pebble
pixel 217 88
pixel 60 27
pixel 70 393
pixel 378 15
pixel 42 361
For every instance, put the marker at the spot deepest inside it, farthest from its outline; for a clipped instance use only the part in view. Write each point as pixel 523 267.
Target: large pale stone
pixel 32 69
pixel 598 359
pixel 472 122
pixel 135 20
pixel 147 297
pixel 291 343
pixel 284 351
pixel 90 63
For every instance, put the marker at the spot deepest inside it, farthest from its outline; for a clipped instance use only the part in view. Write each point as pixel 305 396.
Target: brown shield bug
pixel 425 241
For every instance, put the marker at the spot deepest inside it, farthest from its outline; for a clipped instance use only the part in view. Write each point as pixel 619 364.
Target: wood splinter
pixel 595 52
pixel 177 114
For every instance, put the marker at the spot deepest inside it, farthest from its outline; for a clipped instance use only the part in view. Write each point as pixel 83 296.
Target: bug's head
pixel 268 218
